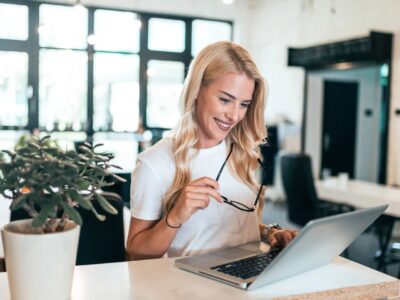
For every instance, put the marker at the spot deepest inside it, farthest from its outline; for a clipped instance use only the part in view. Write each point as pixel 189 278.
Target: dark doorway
pixel 339 127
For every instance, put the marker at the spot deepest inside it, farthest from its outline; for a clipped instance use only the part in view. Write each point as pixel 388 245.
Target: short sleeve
pixel 146 196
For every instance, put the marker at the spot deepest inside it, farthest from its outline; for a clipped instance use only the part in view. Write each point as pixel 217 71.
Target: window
pixel 13 21
pixel 116 92
pixel 95 73
pixel 165 80
pixel 63 90
pixel 207 32
pixel 62 26
pixel 13 88
pixel 116 31
pixel 166 35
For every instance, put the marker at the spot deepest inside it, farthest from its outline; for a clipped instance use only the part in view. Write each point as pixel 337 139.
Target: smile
pixel 223 125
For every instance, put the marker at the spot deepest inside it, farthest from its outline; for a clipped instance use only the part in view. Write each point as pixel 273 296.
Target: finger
pixel 205 190
pixel 206 181
pixel 284 237
pixel 294 233
pixel 200 204
pixel 197 196
pixel 288 236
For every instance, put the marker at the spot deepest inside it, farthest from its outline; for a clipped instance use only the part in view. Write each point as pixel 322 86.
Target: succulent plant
pixel 47 181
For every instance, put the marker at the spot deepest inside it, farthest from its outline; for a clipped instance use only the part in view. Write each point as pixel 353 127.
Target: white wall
pixel 367 128
pixel 279 24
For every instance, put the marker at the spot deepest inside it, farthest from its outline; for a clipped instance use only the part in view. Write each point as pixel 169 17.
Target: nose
pixel 233 112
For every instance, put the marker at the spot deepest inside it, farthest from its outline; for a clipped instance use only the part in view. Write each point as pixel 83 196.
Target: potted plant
pixel 49 184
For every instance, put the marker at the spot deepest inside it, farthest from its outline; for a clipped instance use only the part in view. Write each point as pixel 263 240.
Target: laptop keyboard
pixel 248 267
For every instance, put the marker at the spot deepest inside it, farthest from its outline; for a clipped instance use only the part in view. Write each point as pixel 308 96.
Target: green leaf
pixel 98 145
pixel 72 213
pixel 44 213
pixel 115 166
pixel 85 203
pixel 44 138
pixel 34 145
pixel 118 177
pixel 106 205
pixel 83 184
pixel 98 216
pixel 9 153
pixel 19 201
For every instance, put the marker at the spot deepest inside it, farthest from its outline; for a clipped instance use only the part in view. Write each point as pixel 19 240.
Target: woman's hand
pixel 280 237
pixel 196 195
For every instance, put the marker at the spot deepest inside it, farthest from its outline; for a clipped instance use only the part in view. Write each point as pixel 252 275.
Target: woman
pixel 195 191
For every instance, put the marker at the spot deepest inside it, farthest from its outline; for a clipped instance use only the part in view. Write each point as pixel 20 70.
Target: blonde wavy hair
pixel 212 62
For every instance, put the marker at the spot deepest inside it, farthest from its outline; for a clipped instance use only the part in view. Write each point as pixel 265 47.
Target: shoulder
pixel 160 153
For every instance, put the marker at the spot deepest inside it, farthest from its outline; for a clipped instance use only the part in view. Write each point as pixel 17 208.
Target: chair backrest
pixel 269 152
pixel 102 241
pixel 99 241
pixel 298 183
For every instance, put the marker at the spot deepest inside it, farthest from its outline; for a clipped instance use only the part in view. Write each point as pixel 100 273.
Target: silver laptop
pixel 249 266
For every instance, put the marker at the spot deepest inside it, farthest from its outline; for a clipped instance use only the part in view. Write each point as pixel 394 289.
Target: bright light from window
pixel 91 39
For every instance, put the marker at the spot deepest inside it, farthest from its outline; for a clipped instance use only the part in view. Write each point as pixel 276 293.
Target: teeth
pixel 222 124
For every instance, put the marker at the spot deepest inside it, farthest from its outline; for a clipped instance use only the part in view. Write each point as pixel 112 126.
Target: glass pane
pixel 13 88
pixel 208 32
pixel 63 26
pixel 116 31
pixel 116 92
pixel 62 90
pixel 9 138
pixel 124 147
pixel 13 22
pixel 165 80
pixel 66 140
pixel 166 35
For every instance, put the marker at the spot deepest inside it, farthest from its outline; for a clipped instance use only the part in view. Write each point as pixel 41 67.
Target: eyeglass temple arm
pixel 262 165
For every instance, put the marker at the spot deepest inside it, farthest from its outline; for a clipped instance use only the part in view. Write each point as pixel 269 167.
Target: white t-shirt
pixel 219 225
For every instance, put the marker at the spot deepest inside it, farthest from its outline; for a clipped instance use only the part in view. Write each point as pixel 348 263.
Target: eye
pixel 245 104
pixel 224 100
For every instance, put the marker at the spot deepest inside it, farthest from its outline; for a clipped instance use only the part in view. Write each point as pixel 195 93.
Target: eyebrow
pixel 233 97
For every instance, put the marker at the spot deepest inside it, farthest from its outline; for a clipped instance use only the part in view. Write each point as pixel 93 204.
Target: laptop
pixel 249 266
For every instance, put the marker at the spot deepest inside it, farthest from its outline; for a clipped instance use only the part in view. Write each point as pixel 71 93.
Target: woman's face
pixel 220 105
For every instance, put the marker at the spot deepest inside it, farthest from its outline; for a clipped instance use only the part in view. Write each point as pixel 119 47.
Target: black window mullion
pixel 160 55
pixel 13 45
pixel 144 58
pixel 33 66
pixel 90 79
pixel 188 45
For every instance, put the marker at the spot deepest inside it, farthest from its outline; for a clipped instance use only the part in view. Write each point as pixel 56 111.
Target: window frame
pixel 32 48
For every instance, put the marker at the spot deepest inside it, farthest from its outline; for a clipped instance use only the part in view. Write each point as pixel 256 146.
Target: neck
pixel 206 144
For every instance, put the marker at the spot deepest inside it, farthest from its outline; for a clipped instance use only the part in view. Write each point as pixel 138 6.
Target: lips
pixel 225 126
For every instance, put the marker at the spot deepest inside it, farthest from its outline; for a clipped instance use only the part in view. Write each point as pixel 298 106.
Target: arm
pixel 151 239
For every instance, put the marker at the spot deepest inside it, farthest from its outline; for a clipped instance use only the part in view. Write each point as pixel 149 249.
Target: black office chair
pixel 302 200
pixel 99 241
pixel 269 152
pixel 102 241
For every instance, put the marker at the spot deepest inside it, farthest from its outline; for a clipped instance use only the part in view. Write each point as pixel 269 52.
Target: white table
pixel 160 279
pixel 360 194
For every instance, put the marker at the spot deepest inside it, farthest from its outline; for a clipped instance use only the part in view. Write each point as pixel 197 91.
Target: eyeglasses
pixel 233 203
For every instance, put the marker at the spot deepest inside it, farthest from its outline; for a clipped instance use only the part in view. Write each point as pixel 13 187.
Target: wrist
pixel 171 221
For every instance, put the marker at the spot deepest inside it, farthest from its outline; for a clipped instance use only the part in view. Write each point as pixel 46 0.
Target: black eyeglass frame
pixel 237 204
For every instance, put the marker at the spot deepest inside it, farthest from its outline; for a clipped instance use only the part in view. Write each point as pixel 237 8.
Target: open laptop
pixel 248 267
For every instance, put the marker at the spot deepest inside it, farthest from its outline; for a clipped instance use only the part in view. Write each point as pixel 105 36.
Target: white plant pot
pixel 39 266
